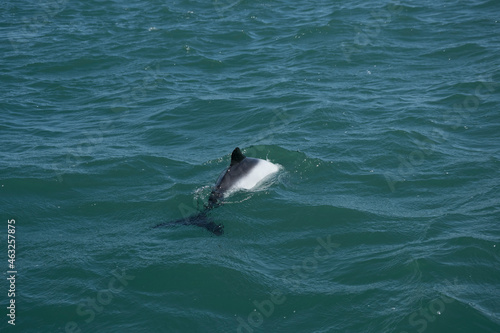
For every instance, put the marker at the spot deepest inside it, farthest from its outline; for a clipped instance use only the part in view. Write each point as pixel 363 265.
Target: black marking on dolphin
pixel 243 173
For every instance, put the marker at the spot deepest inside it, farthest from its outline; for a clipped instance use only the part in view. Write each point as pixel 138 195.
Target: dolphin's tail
pixel 200 220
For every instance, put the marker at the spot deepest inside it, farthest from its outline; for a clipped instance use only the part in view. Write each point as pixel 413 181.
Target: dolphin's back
pixel 230 178
pixel 242 173
pixel 235 174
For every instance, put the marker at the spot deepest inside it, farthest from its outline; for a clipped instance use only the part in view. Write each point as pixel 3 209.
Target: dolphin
pixel 243 173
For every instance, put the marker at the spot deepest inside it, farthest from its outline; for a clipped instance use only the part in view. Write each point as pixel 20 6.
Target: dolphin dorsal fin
pixel 237 156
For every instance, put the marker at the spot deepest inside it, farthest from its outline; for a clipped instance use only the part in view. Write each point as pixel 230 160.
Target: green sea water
pixel 120 115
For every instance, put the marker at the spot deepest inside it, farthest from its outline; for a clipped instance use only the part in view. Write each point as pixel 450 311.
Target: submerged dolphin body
pixel 243 173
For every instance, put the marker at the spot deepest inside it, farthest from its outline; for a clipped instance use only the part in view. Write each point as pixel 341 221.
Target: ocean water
pixel 119 115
